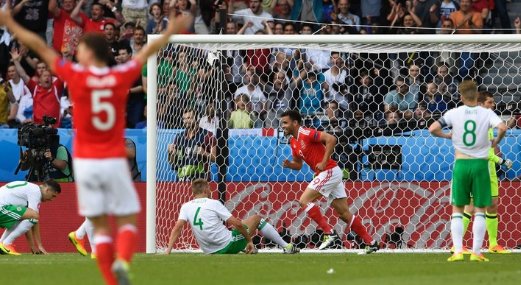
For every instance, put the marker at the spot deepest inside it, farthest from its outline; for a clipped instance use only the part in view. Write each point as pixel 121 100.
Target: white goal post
pixel 396 174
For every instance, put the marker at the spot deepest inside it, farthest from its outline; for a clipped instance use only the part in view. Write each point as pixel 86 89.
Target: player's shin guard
pixel 456 231
pixel 357 227
pixel 492 224
pixel 268 231
pixel 313 211
pixel 478 232
pixel 105 257
pixel 126 242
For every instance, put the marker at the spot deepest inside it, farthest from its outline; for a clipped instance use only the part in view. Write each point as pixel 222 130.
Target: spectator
pixel 400 100
pixel 156 22
pixel 414 80
pixel 344 16
pixel 110 35
pixel 209 121
pixel 127 31
pixel 192 151
pixel 6 100
pixel 446 83
pixel 446 8
pixel 136 98
pixel 307 11
pixel 517 25
pixel 335 77
pixel 66 32
pixel 336 123
pixel 278 29
pixel 501 12
pixel 371 11
pixel 311 98
pixel 97 20
pixel 22 110
pixel 319 58
pixel 32 15
pixel 65 111
pixel 435 102
pixel 253 16
pixel 282 9
pixel 240 118
pixel 393 117
pixel 134 11
pixel 255 95
pixel 428 12
pixel 138 40
pixel 367 98
pixel 279 99
pixel 484 8
pixel 466 20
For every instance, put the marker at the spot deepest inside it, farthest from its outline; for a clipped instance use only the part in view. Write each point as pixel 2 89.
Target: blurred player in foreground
pixel 101 169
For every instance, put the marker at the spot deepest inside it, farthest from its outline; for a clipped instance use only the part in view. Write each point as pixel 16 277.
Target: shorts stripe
pixel 328 176
pixel 10 214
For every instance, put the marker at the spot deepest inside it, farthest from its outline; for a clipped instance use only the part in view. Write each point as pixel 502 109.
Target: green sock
pixel 466 222
pixel 492 222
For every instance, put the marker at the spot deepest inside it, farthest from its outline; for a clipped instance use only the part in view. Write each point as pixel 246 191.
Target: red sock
pixel 314 213
pixel 126 242
pixel 105 258
pixel 359 229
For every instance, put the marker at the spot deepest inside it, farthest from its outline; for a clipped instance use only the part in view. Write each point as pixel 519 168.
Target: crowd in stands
pixel 334 90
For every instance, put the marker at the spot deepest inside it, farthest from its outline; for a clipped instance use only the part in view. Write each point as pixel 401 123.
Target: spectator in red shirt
pixel 46 98
pixel 66 31
pixel 97 21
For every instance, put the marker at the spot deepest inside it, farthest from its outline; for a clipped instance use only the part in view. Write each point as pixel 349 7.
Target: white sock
pixel 456 231
pixel 16 231
pixel 80 232
pixel 269 232
pixel 478 232
pixel 89 230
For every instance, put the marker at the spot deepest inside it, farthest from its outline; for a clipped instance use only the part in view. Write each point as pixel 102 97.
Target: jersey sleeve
pixel 313 136
pixel 495 120
pixel 34 198
pixel 63 68
pixel 182 213
pixel 220 210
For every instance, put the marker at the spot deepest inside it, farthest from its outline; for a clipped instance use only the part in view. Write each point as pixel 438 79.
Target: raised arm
pixel 15 55
pixel 75 14
pixel 176 24
pixel 53 8
pixel 28 38
pixel 18 8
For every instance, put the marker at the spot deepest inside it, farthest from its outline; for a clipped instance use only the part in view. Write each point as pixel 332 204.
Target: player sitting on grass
pixel 470 124
pixel 19 206
pixel 206 217
pixel 486 100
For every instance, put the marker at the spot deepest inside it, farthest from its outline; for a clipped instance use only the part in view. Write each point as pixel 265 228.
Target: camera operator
pixel 45 157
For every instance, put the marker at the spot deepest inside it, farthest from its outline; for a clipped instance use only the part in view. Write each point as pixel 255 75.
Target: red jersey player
pixel 316 148
pixel 101 170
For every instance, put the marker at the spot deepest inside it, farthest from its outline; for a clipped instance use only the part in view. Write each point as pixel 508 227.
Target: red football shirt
pixel 90 25
pixel 66 32
pixel 46 102
pixel 307 146
pixel 100 99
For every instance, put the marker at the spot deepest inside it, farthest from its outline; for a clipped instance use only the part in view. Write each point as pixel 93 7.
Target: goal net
pixel 213 112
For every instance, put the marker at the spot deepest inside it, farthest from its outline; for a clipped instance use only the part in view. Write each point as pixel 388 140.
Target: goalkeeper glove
pixel 506 162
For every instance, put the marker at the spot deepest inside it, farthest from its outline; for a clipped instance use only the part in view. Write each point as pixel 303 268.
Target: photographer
pixel 45 157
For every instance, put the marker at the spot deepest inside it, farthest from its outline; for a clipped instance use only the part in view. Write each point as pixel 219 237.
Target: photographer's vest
pixel 46 102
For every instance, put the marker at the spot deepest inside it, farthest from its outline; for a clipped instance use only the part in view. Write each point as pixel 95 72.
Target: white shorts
pixel 329 183
pixel 104 187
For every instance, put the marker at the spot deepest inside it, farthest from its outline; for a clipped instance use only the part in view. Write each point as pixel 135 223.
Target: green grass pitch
pixel 302 269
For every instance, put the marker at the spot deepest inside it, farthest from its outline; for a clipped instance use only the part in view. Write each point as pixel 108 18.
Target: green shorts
pixel 471 178
pixel 10 215
pixel 236 245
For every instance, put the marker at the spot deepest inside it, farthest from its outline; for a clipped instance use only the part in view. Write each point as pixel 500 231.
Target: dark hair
pixel 399 78
pixel 55 186
pixel 109 24
pixel 155 4
pixel 125 47
pixel 141 29
pixel 484 95
pixel 294 115
pixel 99 45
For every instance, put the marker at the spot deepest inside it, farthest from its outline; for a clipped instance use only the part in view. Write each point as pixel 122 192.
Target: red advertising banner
pixel 422 209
